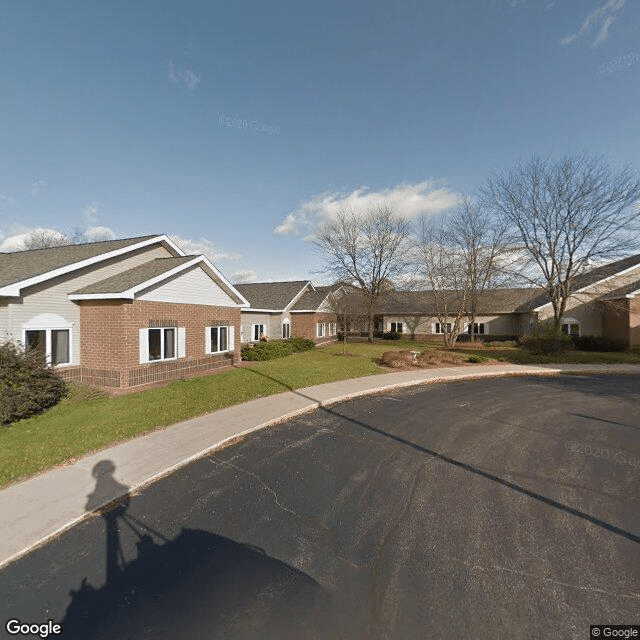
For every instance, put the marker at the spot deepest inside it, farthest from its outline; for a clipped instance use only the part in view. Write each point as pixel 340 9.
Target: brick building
pixel 120 313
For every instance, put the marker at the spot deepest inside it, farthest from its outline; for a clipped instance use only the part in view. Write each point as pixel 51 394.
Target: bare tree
pixel 350 309
pixel 369 250
pixel 483 247
pixel 567 214
pixel 442 268
pixel 45 238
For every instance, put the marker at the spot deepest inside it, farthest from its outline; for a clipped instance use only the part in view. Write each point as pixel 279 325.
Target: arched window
pixel 50 335
pixel 286 328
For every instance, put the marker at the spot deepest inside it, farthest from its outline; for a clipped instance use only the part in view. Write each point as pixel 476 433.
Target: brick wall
pixel 109 341
pixel 303 325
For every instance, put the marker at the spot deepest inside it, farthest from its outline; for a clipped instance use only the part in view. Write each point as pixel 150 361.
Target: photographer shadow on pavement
pixel 196 585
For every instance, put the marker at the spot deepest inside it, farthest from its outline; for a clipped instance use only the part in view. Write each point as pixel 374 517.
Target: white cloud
pixel 36 187
pixel 98 234
pixel 205 247
pixel 6 198
pixel 245 275
pixel 188 77
pixel 16 241
pixel 90 213
pixel 605 15
pixel 407 200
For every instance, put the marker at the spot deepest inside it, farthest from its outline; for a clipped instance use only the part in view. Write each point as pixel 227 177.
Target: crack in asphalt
pixel 259 479
pixel 477 567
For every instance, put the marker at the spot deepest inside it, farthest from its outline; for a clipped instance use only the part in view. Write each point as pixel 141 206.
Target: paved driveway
pixel 505 508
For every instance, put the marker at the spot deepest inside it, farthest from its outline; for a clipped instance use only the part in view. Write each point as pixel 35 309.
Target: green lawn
pixel 83 422
pixel 80 423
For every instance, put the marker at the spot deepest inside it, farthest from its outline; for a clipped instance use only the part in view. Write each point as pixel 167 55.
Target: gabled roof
pixel 272 296
pixel 599 274
pixel 135 280
pixel 312 299
pixel 630 290
pixel 132 278
pixel 20 269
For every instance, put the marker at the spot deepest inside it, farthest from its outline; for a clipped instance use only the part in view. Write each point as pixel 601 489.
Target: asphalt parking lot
pixel 502 508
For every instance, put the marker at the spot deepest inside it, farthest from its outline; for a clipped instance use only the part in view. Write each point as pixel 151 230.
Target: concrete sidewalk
pixel 37 509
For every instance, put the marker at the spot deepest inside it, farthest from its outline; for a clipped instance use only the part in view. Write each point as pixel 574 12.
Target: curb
pixel 454 375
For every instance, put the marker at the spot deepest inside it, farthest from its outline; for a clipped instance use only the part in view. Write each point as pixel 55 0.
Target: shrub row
pixel 276 349
pixel 27 387
pixel 599 343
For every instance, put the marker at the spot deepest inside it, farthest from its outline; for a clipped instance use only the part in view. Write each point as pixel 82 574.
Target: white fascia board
pixel 299 295
pixel 593 284
pixel 230 289
pixel 254 309
pixel 14 290
pixel 130 294
pixel 304 311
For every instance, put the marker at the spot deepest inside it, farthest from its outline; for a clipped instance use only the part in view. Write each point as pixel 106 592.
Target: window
pixel 258 330
pixel 571 328
pixel 286 329
pixel 478 328
pixel 162 343
pixel 439 327
pixel 396 327
pixel 50 336
pixel 320 330
pixel 219 337
pixel 332 329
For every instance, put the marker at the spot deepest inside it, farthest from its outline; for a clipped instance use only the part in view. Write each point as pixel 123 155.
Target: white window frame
pixel 49 322
pixel 477 331
pixel 286 323
pixel 320 330
pixel 396 329
pixel 260 333
pixel 332 329
pixel 570 322
pixel 179 344
pixel 437 326
pixel 208 348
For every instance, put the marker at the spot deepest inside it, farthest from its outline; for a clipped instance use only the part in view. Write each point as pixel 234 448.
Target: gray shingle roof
pixel 495 301
pixel 22 265
pixel 126 280
pixel 311 300
pixel 594 275
pixel 271 295
pixel 621 292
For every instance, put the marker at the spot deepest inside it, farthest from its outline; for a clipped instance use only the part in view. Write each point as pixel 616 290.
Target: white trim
pixel 320 334
pixel 230 333
pixel 14 290
pixel 593 284
pixel 48 328
pixel 261 333
pixel 180 334
pixel 299 295
pixel 130 294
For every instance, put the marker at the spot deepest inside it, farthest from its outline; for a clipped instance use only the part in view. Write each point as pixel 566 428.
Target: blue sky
pixel 238 127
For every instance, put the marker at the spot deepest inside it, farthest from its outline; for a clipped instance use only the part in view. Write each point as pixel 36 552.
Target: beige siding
pixel 51 296
pixel 191 287
pixel 248 319
pixel 506 324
